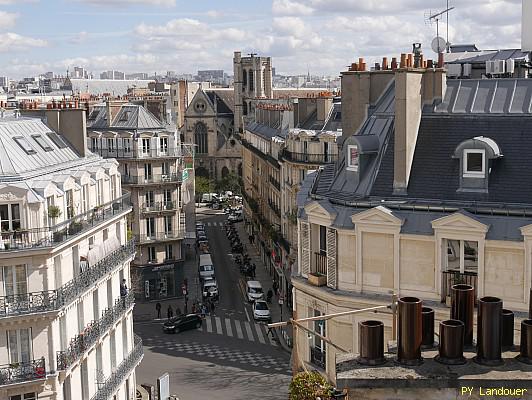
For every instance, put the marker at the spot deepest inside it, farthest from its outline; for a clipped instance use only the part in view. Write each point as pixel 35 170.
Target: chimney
pixel 410 335
pixel 525 353
pixel 72 124
pixel 384 63
pixel 451 348
pixel 507 329
pixel 427 315
pixel 371 343
pixel 489 331
pixel 323 105
pixel 462 306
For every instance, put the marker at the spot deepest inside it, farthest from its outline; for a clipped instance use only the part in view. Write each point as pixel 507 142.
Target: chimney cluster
pixel 495 332
pixel 62 105
pixel 407 61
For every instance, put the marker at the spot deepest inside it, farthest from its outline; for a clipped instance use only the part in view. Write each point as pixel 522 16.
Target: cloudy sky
pixel 323 36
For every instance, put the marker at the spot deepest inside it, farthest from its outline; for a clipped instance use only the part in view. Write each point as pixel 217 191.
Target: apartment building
pixel 151 166
pixel 428 192
pixel 66 326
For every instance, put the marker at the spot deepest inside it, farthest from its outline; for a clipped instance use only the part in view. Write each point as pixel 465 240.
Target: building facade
pixel 151 164
pixel 425 194
pixel 66 324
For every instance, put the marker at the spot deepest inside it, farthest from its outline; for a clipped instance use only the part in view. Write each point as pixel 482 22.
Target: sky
pixel 320 36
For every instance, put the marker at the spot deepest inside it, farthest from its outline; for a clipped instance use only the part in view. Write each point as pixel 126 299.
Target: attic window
pixel 57 140
pixel 42 142
pixel 352 157
pixel 24 144
pixel 474 163
pixel 124 116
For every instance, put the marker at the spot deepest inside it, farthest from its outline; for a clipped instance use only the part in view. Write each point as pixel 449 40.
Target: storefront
pixel 162 281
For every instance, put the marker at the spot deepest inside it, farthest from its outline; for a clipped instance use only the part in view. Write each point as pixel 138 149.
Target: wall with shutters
pixel 304 248
pixel 331 259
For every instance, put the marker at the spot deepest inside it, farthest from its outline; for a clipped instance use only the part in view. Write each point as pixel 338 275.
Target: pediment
pixel 526 230
pixel 321 211
pixel 12 193
pixel 379 215
pixel 459 221
pixel 200 96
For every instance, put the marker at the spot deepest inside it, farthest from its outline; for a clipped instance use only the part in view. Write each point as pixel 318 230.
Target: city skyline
pixel 159 35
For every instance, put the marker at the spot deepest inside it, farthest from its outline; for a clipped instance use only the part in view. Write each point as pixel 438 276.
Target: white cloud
pixel 7 20
pixel 291 7
pixel 15 42
pixel 164 3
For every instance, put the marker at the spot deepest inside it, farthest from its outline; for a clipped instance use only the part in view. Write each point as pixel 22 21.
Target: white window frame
pixel 19 345
pixel 351 167
pixel 474 174
pixel 126 142
pixel 460 255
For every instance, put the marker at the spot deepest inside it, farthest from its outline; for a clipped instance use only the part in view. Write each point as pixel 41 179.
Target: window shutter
pixel 305 248
pixel 331 258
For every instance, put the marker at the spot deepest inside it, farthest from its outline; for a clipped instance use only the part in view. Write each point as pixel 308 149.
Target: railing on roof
pixel 146 180
pixel 306 158
pixel 161 236
pixel 159 206
pixel 23 239
pixel 52 300
pixel 120 152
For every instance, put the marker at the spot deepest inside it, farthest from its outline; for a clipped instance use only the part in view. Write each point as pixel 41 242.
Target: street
pixel 231 356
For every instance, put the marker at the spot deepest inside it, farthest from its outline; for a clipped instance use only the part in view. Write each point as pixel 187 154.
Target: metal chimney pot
pixel 371 343
pixel 451 349
pixel 427 314
pixel 507 328
pixel 489 331
pixel 410 327
pixel 462 306
pixel 525 354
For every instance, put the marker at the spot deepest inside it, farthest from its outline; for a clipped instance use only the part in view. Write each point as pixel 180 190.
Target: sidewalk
pixel 278 312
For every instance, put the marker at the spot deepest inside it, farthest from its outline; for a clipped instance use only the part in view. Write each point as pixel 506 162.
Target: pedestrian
pixel 158 308
pixel 203 310
pixel 275 286
pixel 251 239
pixel 194 308
pixel 170 312
pixel 253 267
pixel 212 307
pixel 185 309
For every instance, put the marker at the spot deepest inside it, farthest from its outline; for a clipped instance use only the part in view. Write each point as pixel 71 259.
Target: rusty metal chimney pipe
pixel 451 349
pixel 410 331
pixel 507 328
pixel 371 343
pixel 427 314
pixel 525 354
pixel 489 331
pixel 462 306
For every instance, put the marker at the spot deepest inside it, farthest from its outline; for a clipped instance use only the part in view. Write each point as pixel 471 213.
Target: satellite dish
pixel 438 44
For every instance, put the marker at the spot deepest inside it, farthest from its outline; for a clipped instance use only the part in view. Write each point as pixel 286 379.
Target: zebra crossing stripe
pixel 239 332
pixel 218 326
pixel 209 324
pixel 259 333
pixel 228 327
pixel 249 331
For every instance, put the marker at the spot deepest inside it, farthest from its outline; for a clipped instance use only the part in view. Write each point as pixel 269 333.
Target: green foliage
pixel 230 182
pixel 310 386
pixel 54 212
pixel 253 205
pixel 203 185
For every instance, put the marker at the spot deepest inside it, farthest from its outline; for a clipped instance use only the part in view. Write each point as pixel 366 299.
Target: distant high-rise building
pixel 137 75
pixel 117 75
pixel 273 72
pixel 79 72
pixel 49 75
pixel 4 81
pixel 211 75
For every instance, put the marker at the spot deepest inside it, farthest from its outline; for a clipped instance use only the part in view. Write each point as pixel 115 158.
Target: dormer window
pixel 353 157
pixel 474 163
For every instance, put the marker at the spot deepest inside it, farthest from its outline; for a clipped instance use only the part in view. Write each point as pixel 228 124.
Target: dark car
pixel 182 323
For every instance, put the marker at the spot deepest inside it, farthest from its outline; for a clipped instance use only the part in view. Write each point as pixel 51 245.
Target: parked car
pixel 261 312
pixel 254 291
pixel 235 217
pixel 205 267
pixel 182 323
pixel 209 197
pixel 210 289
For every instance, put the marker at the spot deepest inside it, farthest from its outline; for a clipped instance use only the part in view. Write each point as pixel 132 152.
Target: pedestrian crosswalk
pixel 244 330
pixel 214 223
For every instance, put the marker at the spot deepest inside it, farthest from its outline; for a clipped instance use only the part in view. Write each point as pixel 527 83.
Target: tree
pixel 203 185
pixel 310 386
pixel 229 182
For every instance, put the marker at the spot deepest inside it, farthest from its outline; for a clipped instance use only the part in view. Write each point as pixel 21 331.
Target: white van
pixel 206 267
pixel 254 291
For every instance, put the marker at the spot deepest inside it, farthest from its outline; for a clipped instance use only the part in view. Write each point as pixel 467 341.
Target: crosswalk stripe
pixel 218 326
pixel 248 331
pixel 239 332
pixel 209 324
pixel 259 333
pixel 270 338
pixel 228 327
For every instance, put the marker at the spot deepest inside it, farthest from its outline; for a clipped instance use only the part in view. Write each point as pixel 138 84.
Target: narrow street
pixel 231 356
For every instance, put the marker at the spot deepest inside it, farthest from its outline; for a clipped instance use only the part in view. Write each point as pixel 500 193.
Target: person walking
pixel 275 286
pixel 158 308
pixel 253 268
pixel 212 307
pixel 170 312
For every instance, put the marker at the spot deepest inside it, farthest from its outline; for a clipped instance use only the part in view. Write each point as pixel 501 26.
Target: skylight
pixel 42 142
pixel 58 140
pixel 24 144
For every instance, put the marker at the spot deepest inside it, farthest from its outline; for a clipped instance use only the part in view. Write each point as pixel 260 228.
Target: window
pixel 168 223
pixel 113 187
pixel 127 145
pixel 25 396
pixel 147 171
pixel 462 256
pixel 99 191
pixel 165 169
pixel 19 345
pixel 317 350
pixel 168 199
pixel 24 144
pixel 91 242
pixel 245 108
pixel 42 142
pixel 15 280
pixel 126 170
pixel 169 252
pixel 251 81
pixel 70 203
pixel 474 163
pixel 110 144
pixel 323 240
pixel 150 227
pixel 146 146
pixel 85 197
pixel 124 116
pixel 152 255
pixel 105 234
pixel 84 381
pixel 200 138
pixel 352 157
pixel 149 198
pixel 244 78
pixel 113 349
pixel 9 217
pixel 164 145
pixel 94 144
pixel 57 140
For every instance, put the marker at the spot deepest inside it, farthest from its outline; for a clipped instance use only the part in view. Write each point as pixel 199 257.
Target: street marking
pixel 259 333
pixel 228 327
pixel 270 338
pixel 239 332
pixel 209 324
pixel 218 326
pixel 247 315
pixel 248 331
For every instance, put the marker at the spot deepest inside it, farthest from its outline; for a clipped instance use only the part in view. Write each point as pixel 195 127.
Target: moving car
pixel 205 267
pixel 254 291
pixel 261 312
pixel 210 289
pixel 235 217
pixel 209 197
pixel 182 323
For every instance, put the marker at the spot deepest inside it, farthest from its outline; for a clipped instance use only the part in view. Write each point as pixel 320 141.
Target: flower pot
pixel 317 280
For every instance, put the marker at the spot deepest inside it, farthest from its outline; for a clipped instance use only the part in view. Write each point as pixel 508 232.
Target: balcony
pixel 317 357
pixel 162 236
pixel 320 264
pixel 51 236
pixel 130 153
pixel 275 183
pixel 82 342
pixel 22 372
pixel 159 206
pixel 53 300
pixel 275 208
pixel 455 277
pixel 304 158
pixel 111 384
pixel 152 179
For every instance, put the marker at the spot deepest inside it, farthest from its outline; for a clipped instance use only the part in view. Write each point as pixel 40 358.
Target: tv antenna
pixel 252 54
pixel 437 17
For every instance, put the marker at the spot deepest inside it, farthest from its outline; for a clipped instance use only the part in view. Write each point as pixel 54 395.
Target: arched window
pixel 245 108
pixel 240 169
pixel 225 172
pixel 200 138
pixel 244 78
pixel 251 83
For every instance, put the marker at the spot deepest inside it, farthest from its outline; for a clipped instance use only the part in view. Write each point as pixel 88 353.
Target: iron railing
pixel 275 208
pixel 22 372
pixel 81 343
pixel 146 180
pixel 23 239
pixel 161 236
pixel 52 300
pixel 454 277
pixel 275 183
pixel 111 385
pixel 139 153
pixel 317 357
pixel 159 206
pixel 320 263
pixel 308 158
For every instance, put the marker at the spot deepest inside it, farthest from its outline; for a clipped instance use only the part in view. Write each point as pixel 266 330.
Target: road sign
pixel 281 301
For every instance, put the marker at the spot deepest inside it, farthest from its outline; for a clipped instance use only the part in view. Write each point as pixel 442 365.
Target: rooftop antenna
pixel 437 17
pixel 252 54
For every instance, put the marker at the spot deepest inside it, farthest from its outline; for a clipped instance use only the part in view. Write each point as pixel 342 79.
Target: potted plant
pixel 310 385
pixel 59 235
pixel 75 227
pixel 54 212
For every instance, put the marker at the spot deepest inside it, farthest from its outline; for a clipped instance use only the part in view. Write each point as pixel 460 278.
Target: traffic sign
pixel 281 301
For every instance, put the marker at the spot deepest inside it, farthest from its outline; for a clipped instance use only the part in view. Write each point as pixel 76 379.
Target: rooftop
pixel 128 117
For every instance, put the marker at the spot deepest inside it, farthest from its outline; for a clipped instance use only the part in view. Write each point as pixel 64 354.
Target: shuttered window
pixel 305 247
pixel 331 258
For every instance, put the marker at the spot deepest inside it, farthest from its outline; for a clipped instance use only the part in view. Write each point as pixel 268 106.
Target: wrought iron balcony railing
pixel 159 206
pixel 275 183
pixel 306 158
pixel 23 239
pixel 161 236
pixel 317 357
pixel 114 381
pixel 454 277
pixel 22 372
pixel 275 208
pixel 51 300
pixel 81 343
pixel 139 153
pixel 152 179
pixel 320 263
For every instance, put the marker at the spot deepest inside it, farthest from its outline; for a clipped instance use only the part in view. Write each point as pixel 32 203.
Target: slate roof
pixel 225 100
pixel 129 117
pixel 482 56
